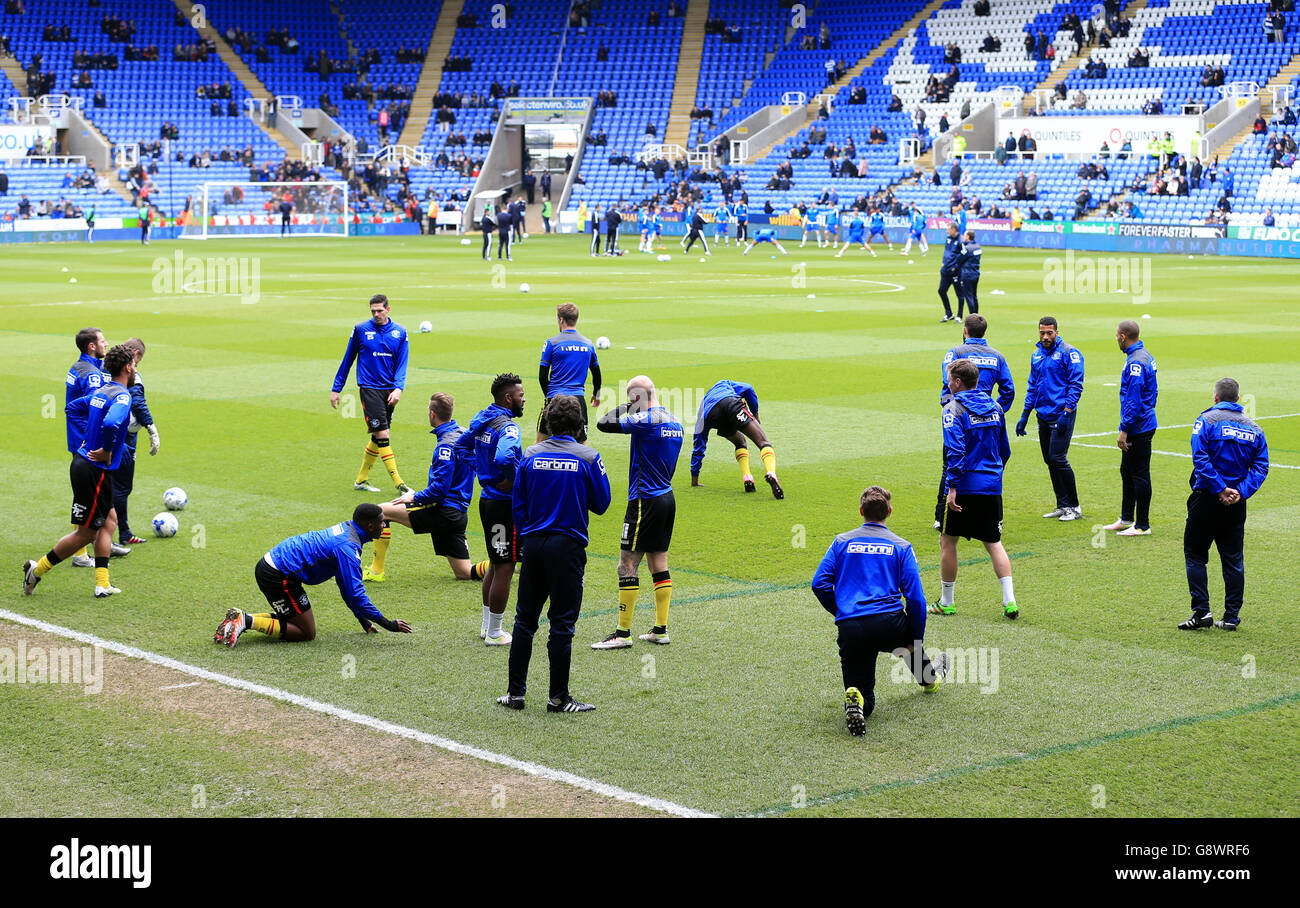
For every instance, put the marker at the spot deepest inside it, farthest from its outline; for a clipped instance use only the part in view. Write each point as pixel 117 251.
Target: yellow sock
pixel 742 458
pixel 390 461
pixel 479 571
pixel 663 598
pixel 367 461
pixel 90 550
pixel 628 588
pixel 769 458
pixel 381 551
pixel 43 567
pixel 265 624
pixel 101 576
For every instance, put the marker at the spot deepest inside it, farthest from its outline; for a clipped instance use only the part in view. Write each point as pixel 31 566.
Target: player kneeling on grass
pixel 730 408
pixel 441 509
pixel 766 235
pixel 651 509
pixel 310 559
pixel 870 582
pixel 975 439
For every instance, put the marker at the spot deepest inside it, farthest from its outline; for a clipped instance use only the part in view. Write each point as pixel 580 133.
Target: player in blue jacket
pixel 558 483
pixel 85 376
pixel 380 348
pixel 870 582
pixel 740 211
pixel 977 450
pixel 950 271
pixel 441 509
pixel 916 231
pixel 1053 390
pixel 1229 464
pixel 491 444
pixel 730 408
pixel 1138 391
pixel 857 234
pixel 312 558
pixel 969 268
pixel 107 413
pixel 876 228
pixel 721 218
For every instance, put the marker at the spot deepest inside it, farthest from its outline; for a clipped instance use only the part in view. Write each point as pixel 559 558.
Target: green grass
pixel 742 713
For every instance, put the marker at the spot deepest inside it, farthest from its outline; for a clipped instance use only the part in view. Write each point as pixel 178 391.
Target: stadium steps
pixel 343 29
pixel 1070 66
pixel 14 70
pixel 431 73
pixel 857 69
pixel 114 183
pixel 688 74
pixel 1284 76
pixel 239 70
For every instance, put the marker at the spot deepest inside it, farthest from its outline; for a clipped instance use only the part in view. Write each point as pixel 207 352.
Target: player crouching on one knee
pixel 869 580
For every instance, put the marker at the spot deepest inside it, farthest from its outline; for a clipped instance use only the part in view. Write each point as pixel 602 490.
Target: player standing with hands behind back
pixel 1054 388
pixel 566 359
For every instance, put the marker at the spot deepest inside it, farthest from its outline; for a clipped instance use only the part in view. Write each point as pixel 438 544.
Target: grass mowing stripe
pixel 1015 759
pixel 347 715
pixel 1186 425
pixel 1280 466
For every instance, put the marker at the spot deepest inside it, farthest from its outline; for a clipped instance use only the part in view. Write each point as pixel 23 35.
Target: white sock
pixel 945 596
pixel 487 617
pixel 494 624
pixel 1008 590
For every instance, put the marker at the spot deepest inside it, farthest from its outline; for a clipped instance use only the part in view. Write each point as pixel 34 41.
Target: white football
pixel 524 288
pixel 165 524
pixel 464 242
pixel 426 327
pixel 665 258
pixel 525 235
pixel 175 499
pixel 602 343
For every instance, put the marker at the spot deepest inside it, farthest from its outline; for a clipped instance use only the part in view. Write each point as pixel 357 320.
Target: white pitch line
pixel 347 715
pixel 179 686
pixel 1280 466
pixel 1183 425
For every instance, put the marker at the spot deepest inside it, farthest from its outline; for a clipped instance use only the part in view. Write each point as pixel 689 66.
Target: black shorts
pixel 728 415
pixel 284 593
pixel 581 437
pixel 445 525
pixel 499 530
pixel 374 404
pixel 980 518
pixel 92 493
pixel 648 524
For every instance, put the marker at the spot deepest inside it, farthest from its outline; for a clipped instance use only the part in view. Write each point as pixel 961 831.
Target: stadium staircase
pixel 1070 66
pixel 14 70
pixel 856 70
pixel 343 29
pixel 252 84
pixel 688 74
pixel 431 74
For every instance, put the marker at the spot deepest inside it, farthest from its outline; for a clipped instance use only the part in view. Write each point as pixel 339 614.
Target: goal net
pixel 317 208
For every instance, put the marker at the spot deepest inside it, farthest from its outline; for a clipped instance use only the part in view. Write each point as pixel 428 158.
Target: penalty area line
pixel 347 715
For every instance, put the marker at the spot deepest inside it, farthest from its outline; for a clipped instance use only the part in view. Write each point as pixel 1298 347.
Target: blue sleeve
pixel 598 502
pixel 913 592
pixel 1074 375
pixel 750 398
pixel 1202 464
pixel 140 406
pixel 1130 397
pixel 1258 471
pixel 509 454
pixel 954 442
pixel 1031 387
pixel 697 452
pixel 519 496
pixel 823 583
pixel 440 473
pixel 115 422
pixel 546 352
pixel 1006 387
pixel 403 354
pixel 1004 443
pixel 350 354
pixel 945 395
pixel 465 445
pixel 351 588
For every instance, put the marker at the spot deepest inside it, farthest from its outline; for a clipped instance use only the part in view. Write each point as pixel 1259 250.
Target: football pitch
pixel 1091 704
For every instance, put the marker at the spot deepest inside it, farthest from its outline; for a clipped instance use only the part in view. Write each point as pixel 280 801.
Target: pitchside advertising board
pixel 1085 134
pixel 17 141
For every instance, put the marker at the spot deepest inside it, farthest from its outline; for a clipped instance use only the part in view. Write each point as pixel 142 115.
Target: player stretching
pixel 648 525
pixel 764 235
pixel 857 234
pixel 441 509
pixel 831 228
pixel 730 408
pixel 877 228
pixel 380 348
pixel 491 443
pixel 312 558
pixel 916 231
pixel 93 467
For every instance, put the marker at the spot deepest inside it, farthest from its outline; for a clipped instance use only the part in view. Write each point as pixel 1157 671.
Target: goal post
pixel 320 208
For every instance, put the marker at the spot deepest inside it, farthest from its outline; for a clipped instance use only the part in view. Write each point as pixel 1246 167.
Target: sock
pixel 248 620
pixel 265 624
pixel 90 550
pixel 628 588
pixel 381 550
pixel 477 571
pixel 47 563
pixel 390 461
pixel 101 572
pixel 367 461
pixel 742 458
pixel 487 617
pixel 663 596
pixel 945 596
pixel 494 624
pixel 1008 589
pixel 769 458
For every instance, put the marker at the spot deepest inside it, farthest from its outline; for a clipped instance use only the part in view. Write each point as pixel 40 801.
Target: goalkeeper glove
pixel 154 441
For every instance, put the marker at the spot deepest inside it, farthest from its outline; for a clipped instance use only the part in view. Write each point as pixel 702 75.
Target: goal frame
pixel 259 224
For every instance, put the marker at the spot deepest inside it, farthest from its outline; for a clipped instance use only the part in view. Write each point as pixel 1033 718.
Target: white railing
pixel 63 160
pixel 909 149
pixel 794 99
pixel 313 154
pixel 21 108
pixel 126 155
